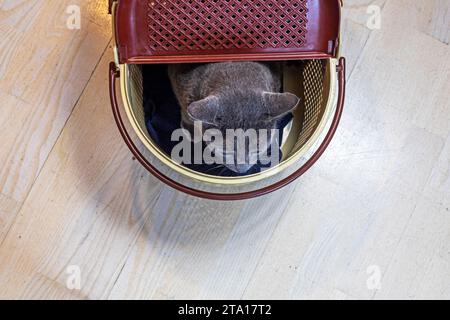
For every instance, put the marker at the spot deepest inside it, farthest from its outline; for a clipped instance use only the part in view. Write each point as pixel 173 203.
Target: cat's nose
pixel 243 168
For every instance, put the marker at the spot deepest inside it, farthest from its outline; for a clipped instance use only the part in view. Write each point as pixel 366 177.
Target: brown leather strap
pixel 114 73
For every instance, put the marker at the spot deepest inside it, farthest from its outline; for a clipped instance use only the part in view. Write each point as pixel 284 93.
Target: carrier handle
pixel 115 73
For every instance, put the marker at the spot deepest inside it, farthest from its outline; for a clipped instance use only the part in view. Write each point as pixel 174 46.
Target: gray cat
pixel 232 95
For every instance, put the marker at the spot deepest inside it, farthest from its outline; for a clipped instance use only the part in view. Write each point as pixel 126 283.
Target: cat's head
pixel 246 110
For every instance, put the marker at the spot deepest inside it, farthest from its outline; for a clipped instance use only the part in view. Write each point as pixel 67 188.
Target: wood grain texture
pixel 73 195
pixel 44 67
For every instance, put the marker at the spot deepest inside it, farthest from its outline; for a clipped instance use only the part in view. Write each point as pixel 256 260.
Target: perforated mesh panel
pixel 313 84
pixel 136 96
pixel 192 25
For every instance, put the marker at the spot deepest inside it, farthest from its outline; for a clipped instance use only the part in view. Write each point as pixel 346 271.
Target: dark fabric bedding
pixel 163 116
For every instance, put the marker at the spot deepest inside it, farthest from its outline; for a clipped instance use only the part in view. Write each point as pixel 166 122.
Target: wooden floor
pixel 79 219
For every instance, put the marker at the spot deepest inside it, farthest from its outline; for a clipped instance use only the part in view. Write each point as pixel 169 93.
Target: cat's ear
pixel 204 110
pixel 280 104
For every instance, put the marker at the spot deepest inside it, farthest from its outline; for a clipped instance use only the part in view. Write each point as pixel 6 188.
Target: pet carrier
pixel 307 32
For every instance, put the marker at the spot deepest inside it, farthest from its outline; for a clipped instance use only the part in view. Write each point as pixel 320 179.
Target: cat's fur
pixel 231 95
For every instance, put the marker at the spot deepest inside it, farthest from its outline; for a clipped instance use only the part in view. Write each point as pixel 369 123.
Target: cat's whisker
pixel 214 168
